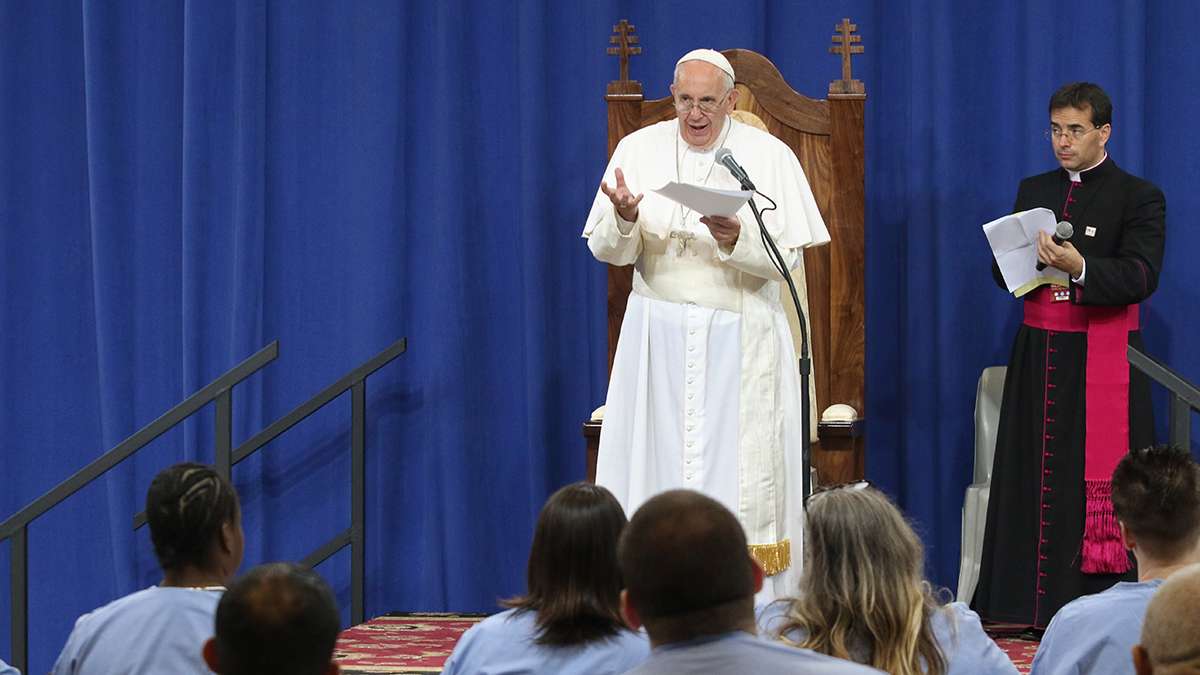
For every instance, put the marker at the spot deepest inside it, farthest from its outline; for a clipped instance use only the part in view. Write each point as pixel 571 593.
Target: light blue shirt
pixel 6 669
pixel 503 644
pixel 1095 633
pixel 956 629
pixel 741 652
pixel 150 632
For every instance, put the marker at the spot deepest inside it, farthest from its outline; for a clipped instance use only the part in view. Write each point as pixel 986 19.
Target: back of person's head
pixel 1083 96
pixel 194 516
pixel 687 569
pixel 574 584
pixel 1156 496
pixel 277 619
pixel 863 588
pixel 1170 643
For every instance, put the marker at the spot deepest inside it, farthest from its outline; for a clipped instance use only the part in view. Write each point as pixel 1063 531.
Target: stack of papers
pixel 1013 239
pixel 705 201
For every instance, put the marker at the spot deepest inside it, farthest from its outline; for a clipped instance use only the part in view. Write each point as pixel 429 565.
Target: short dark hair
pixel 1156 494
pixel 684 552
pixel 1084 96
pixel 186 506
pixel 279 618
pixel 574 583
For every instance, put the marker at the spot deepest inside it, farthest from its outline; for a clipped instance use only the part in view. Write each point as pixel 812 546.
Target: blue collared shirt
pixel 956 629
pixel 741 652
pixel 150 632
pixel 1095 634
pixel 503 644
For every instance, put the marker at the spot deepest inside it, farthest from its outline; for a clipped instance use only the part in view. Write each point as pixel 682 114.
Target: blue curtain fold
pixel 183 182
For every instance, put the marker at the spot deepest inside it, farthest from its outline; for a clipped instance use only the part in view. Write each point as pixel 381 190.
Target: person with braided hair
pixel 196 528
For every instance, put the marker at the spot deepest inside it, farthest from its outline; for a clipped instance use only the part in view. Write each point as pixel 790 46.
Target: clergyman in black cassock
pixel 1034 555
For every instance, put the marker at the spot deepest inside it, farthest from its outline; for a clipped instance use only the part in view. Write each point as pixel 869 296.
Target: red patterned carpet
pixel 1021 651
pixel 1016 640
pixel 399 644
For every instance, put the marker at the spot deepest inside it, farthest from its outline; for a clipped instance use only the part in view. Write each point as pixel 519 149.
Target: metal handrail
pixel 225 458
pixel 15 527
pixel 1184 396
pixel 355 535
pixel 355 381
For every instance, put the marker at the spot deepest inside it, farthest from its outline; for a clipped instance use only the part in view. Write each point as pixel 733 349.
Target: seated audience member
pixel 569 621
pixel 278 619
pixel 863 595
pixel 1156 499
pixel 1171 631
pixel 196 527
pixel 690 580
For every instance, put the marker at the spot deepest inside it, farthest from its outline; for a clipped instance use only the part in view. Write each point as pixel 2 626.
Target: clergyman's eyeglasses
pixel 1074 131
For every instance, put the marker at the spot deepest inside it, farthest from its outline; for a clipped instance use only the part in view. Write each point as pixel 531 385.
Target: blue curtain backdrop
pixel 183 182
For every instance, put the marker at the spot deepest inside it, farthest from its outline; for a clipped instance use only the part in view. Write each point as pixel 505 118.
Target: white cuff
pixel 624 227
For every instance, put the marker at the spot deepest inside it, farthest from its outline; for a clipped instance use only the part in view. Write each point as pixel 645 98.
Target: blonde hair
pixel 863 586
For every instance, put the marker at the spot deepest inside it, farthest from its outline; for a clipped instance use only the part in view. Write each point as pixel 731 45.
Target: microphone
pixel 1062 232
pixel 725 157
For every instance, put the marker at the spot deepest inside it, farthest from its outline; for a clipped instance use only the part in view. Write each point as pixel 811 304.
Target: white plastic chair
pixel 974 514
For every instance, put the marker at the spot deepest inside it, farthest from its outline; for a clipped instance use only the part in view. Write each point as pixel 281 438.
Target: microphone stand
pixel 805 361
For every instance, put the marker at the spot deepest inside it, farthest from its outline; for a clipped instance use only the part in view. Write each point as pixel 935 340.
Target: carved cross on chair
pixel 626 43
pixel 846 44
pixel 622 35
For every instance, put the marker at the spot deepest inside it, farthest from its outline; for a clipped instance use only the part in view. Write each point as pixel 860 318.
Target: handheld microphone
pixel 725 157
pixel 1062 232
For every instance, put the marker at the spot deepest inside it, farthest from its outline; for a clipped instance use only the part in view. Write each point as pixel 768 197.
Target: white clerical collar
pixel 1076 175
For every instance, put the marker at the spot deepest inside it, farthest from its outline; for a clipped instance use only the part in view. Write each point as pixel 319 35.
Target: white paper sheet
pixel 703 200
pixel 1013 239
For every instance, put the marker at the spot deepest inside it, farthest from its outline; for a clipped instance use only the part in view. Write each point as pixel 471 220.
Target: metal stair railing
pixel 1184 397
pixel 15 527
pixel 355 381
pixel 225 457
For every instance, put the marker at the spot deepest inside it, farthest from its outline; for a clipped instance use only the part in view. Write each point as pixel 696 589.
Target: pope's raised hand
pixel 622 199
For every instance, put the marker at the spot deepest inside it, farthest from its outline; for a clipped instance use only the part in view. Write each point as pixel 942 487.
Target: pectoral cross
pixel 684 238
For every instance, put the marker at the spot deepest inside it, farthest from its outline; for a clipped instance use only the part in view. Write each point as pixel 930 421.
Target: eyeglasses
pixel 852 485
pixel 1074 131
pixel 707 106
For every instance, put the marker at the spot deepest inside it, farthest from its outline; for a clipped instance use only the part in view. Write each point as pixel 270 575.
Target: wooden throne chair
pixel 827 137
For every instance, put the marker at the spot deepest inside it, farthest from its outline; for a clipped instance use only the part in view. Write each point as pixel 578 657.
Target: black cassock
pixel 1032 547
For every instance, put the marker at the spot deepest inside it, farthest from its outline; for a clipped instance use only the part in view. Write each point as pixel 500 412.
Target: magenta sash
pixel 1106 416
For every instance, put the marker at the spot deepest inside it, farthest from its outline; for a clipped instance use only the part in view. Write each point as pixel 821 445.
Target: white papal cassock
pixel 705 391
